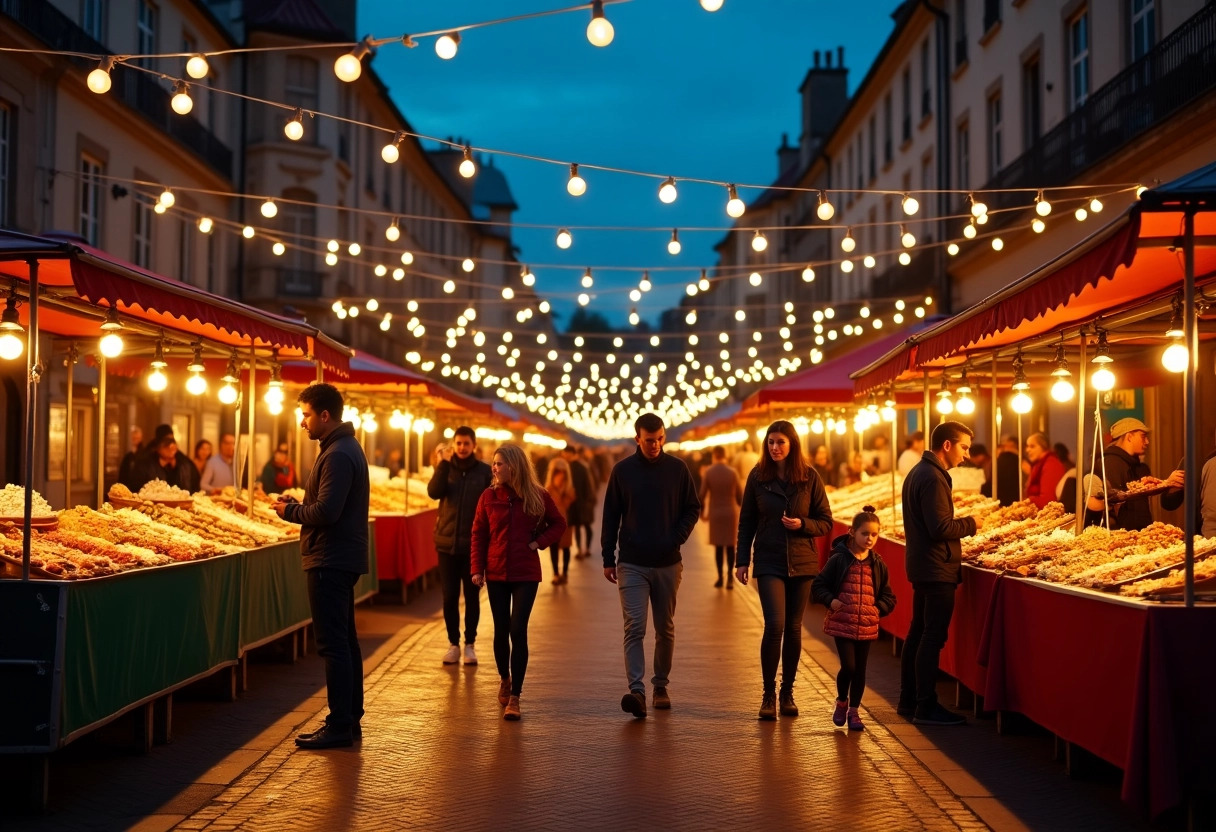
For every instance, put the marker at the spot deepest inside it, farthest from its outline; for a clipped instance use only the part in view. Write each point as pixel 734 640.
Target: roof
pixel 1197 189
pixel 488 187
pixel 303 18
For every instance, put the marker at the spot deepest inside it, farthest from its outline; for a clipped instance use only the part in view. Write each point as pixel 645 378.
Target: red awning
pixel 1131 261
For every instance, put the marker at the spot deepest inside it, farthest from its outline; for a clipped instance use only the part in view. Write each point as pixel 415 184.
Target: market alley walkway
pixel 436 753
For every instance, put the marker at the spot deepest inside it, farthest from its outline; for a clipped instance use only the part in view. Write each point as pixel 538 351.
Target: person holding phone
pixel 785 507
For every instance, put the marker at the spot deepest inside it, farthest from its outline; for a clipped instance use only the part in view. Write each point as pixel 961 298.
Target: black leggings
pixel 582 538
pixel 565 558
pixel 851 680
pixel 783 601
pixel 511 606
pixel 725 555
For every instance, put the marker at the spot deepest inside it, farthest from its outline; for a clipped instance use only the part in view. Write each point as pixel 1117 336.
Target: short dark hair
pixel 322 398
pixel 913 438
pixel 949 432
pixel 979 449
pixel 465 430
pixel 648 422
pixel 718 452
pixel 167 439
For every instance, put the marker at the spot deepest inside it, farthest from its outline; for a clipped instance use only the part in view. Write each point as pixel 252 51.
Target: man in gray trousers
pixel 650 508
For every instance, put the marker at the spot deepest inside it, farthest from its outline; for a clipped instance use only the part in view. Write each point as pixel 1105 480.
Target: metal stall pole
pixel 995 451
pixel 101 429
pixel 928 413
pixel 253 402
pixel 891 452
pixel 1190 406
pixel 1079 526
pixel 32 373
pixel 1021 445
pixel 70 363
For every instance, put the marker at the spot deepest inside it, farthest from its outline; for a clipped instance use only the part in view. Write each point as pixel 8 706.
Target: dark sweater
pixel 457 485
pixel 933 552
pixel 650 508
pixel 334 513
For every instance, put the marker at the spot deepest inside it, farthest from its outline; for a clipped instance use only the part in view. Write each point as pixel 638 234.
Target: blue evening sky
pixel 680 91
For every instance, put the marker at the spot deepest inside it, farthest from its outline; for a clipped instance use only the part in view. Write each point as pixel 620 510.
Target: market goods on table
pixel 848 501
pixel 12 505
pixel 400 496
pixel 155 491
pixel 1011 523
pixel 1205 571
pixel 1143 487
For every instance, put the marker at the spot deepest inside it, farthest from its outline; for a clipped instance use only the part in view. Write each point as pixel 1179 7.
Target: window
pixel 301 82
pixel 344 126
pixel 861 165
pixel 926 182
pixel 992 13
pixel 1078 60
pixel 141 249
pixel 1143 28
pixel 850 179
pixel 369 180
pixel 960 33
pixel 995 134
pixel 1032 102
pixel 93 18
pixel 964 155
pixel 873 146
pixel 145 29
pixel 90 199
pixel 299 225
pixel 926 99
pixel 887 129
pixel 906 85
pixel 6 164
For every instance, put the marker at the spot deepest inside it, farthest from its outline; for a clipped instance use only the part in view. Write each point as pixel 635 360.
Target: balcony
pixel 1175 73
pixel 139 91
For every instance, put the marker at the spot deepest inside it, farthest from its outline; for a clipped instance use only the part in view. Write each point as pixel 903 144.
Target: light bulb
pixel 734 205
pixel 11 346
pixel 390 152
pixel 407 258
pixel 393 232
pixel 846 266
pixel 1103 379
pixel 667 191
pixel 467 264
pixel 167 198
pixel 1095 205
pixel 825 210
pixel 908 239
pixel 1021 403
pixel 587 281
pixel 294 128
pixel 599 30
pixel 205 225
pixel 847 243
pixel 584 299
pixel 952 249
pixel 869 262
pixel 274 408
pixel 978 209
pixel 197 67
pixel 467 166
pixel 969 231
pixel 273 394
pixel 1041 206
pixel 1176 357
pixel 196 385
pixel 279 249
pixel 372 304
pixel 911 205
pixel 227 394
pixel 446 45
pixel 1063 390
pixel 644 284
pixel 269 209
pixel 711 5
pixel 997 244
pixel 507 293
pixel 575 185
pixel 158 208
pixel 905 258
pixel 99 79
pixel 111 345
pixel 157 380
pixel 247 232
pixel 354 249
pixel 759 242
pixel 181 102
pixel 1038 226
pixel 331 259
pixel 965 405
pixel 945 406
pixel 1081 214
pixel 564 239
pixel 808 274
pixel 449 286
pixel 527 278
pixel 755 279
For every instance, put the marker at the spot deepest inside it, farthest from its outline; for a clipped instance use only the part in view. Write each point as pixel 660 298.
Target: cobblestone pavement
pixel 437 754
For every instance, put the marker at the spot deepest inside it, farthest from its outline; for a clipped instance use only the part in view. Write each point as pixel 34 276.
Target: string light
pixel 667 191
pixel 278 248
pixel 905 258
pixel 354 250
pixel 99 80
pixel 205 225
pixel 1176 357
pixel 599 30
pixel 965 405
pixel 391 152
pixel 393 232
pixel 703 283
pixel 407 258
pixel 248 232
pixel 526 277
pixel 11 343
pixel 446 45
pixel 181 102
pixel 910 204
pixel 1041 206
pixel 734 205
pixel 711 5
pixel 1021 402
pixel 1103 378
pixel 952 249
pixel 825 210
pixel 1062 389
pixel 906 237
pixel 587 281
pixel 1037 225
pixel 997 244
pixel 755 278
pixel 564 239
pixel 969 231
pixel 759 242
pixel 978 208
pixel 294 128
pixel 157 380
pixel 196 66
pixel 349 67
pixel 167 198
pixel 945 401
pixel 808 275
pixel 111 343
pixel 848 243
pixel 467 166
pixel 269 209
pixel 1081 214
pixel 575 185
pixel 1095 205
pixel 644 284
pixel 468 265
pixel 673 245
pixel 196 383
pixel 228 394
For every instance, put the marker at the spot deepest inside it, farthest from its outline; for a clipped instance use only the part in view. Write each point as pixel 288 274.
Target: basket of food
pixel 1143 487
pixel 12 509
pixel 155 491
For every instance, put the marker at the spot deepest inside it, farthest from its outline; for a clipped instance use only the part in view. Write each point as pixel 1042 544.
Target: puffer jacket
pixel 866 593
pixel 457 485
pixel 502 532
pixel 778 550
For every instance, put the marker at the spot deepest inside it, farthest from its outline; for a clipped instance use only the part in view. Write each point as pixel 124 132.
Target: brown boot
pixel 504 690
pixel 511 712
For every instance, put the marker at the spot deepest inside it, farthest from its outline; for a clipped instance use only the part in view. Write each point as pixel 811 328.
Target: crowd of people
pixel 160 458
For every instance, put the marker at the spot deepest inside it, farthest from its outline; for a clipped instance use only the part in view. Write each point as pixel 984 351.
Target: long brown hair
pixel 796 469
pixel 523 479
pixel 556 466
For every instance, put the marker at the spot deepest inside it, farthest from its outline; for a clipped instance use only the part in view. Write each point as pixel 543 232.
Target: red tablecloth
pixel 405 547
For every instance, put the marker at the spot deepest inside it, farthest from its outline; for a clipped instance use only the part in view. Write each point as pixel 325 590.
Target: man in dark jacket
pixel 167 463
pixel 458 481
pixel 650 508
pixel 934 564
pixel 581 513
pixel 333 541
pixel 1123 465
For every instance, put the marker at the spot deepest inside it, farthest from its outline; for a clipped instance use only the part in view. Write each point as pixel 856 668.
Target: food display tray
pixel 122 503
pixel 11 568
pixel 1123 496
pixel 43 524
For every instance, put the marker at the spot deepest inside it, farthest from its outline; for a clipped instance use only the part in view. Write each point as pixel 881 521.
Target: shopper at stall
pixel 785 507
pixel 202 453
pixel 878 455
pixel 130 460
pixel 1008 477
pixel 457 483
pixel 169 464
pixel 933 560
pixel 720 495
pixel 855 588
pixel 334 545
pixel 561 489
pixel 914 449
pixel 582 511
pixel 217 474
pixel 650 508
pixel 745 460
pixel 278 474
pixel 393 462
pixel 515 518
pixel 851 472
pixel 1046 470
pixel 1122 464
pixel 822 463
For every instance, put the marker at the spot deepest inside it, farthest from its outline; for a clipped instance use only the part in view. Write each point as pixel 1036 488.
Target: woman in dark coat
pixel 785 507
pixel 720 494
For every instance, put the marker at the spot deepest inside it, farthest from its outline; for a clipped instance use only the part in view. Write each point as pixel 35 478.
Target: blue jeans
pixel 331 597
pixel 655 586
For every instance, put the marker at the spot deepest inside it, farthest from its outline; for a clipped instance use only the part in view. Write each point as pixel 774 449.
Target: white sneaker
pixel 470 655
pixel 453 654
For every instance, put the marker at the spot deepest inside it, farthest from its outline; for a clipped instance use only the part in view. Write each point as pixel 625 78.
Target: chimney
pixel 824 99
pixel 787 157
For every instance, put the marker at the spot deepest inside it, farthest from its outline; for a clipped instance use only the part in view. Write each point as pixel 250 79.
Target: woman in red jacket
pixel 1046 470
pixel 515 517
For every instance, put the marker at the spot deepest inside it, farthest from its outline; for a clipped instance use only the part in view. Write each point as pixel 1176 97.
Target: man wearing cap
pixel 1121 460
